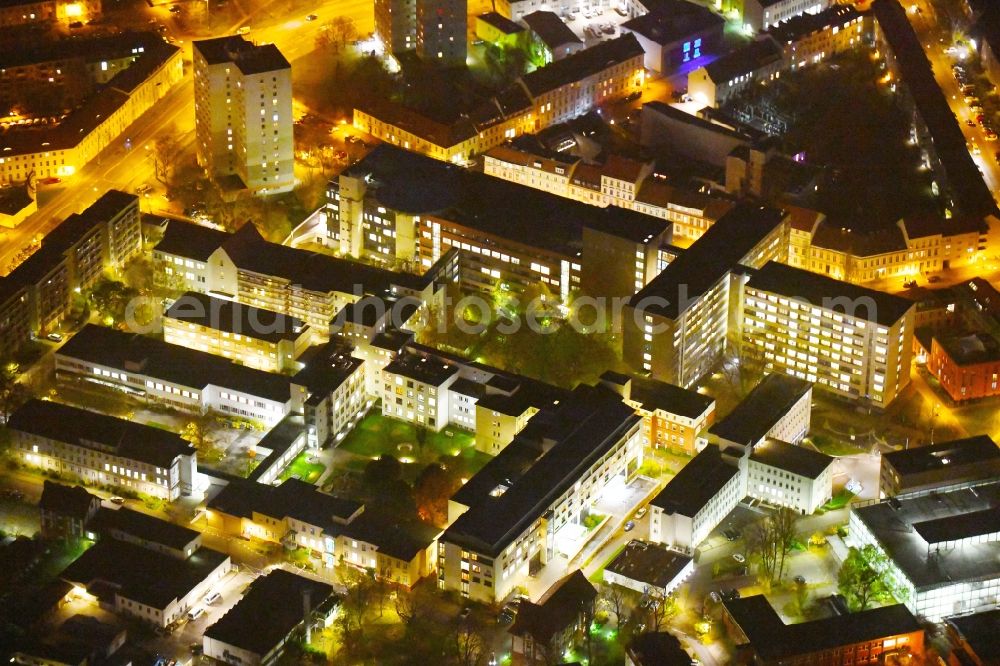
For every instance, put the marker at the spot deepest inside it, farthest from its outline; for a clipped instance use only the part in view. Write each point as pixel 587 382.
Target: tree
pixel 661 608
pixel 200 432
pixel 383 470
pixel 431 492
pixel 337 34
pixel 164 155
pixel 469 642
pixel 615 599
pixel 112 298
pixel 354 606
pixel 865 577
pixel 771 539
pixel 12 393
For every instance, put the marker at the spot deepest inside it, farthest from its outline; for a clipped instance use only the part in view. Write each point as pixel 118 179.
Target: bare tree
pixel 771 540
pixel 663 607
pixel 470 643
pixel 164 154
pixel 337 33
pixel 615 599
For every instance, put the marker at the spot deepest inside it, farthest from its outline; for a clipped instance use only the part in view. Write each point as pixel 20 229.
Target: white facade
pixel 781 487
pixel 687 532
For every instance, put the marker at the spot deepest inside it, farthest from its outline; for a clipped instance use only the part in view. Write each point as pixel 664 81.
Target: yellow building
pixel 258 338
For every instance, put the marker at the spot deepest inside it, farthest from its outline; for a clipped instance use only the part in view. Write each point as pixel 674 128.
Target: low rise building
pixel 722 79
pixel 974 638
pixel 938 467
pixel 796 477
pixel 553 37
pixel 648 569
pixel 540 629
pixel 870 636
pixel 66 511
pixel 779 407
pixel 102 450
pixel 676 34
pixel 849 340
pixel 30 12
pixel 401 552
pixel 498 29
pixel 80 639
pixel 809 39
pixel 513 511
pixel 944 547
pixel 252 336
pixel 656 649
pixel 276 608
pixel 17 202
pixel 182 378
pixel 672 417
pixel 147 531
pixel 130 580
pixel 696 500
pixel 763 14
pixel 966 365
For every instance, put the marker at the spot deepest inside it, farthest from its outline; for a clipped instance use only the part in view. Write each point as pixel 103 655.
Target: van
pixel 195 613
pixel 213 598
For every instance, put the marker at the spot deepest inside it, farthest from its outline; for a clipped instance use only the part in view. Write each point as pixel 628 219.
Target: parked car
pixel 991 135
pixel 213 598
pixel 800 580
pixel 621 11
pixel 51 180
pixel 54 337
pixel 117 500
pixel 629 526
pixel 76 25
pixel 970 122
pixel 311 17
pixel 739 558
pixel 175 9
pixel 195 613
pixel 640 513
pixel 714 596
pixel 243 30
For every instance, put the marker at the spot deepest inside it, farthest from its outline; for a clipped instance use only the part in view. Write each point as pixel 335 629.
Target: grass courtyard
pixel 301 468
pixel 377 435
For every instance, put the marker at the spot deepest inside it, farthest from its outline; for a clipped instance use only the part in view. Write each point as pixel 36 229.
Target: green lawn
pixel 378 435
pixel 834 447
pixel 598 576
pixel 838 501
pixel 303 469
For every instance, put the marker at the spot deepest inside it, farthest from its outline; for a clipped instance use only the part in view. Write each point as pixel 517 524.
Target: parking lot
pixel 597 24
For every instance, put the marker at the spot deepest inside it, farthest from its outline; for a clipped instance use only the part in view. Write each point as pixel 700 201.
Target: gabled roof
pixel 71 501
pixel 558 609
pixel 192 241
pixel 550 29
pixel 582 64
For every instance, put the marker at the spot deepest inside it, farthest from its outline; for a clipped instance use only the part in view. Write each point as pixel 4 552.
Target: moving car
pixel 311 17
pixel 213 597
pixel 117 500
pixel 195 613
pixel 739 558
pixel 640 513
pixel 629 526
pixel 54 337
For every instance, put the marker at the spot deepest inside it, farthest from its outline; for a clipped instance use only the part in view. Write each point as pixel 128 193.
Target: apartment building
pixel 552 94
pixel 763 14
pixel 396 25
pixel 401 207
pixel 722 79
pixel 849 340
pixel 914 246
pixel 36 296
pixel 620 182
pixel 512 512
pixel 61 150
pixel 182 378
pixel 402 552
pixel 873 636
pixel 28 12
pixel 412 386
pixel 939 467
pixel 252 336
pixel 243 114
pixel 966 364
pixel 102 450
pixel 66 511
pixel 944 547
pixel 332 390
pixel 679 325
pixel 307 286
pixel 441 31
pixel 676 33
pixel 672 417
pixel 809 39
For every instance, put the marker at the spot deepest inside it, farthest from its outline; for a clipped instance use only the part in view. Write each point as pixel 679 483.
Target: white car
pixel 213 597
pixel 195 613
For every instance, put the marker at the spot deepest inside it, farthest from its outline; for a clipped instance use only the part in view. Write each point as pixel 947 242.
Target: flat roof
pixel 141 574
pixel 234 317
pixel 272 607
pixel 962 526
pixel 958 453
pixel 761 409
pixel 550 29
pixel 420 369
pixel 582 64
pixel 250 58
pixel 753 56
pixel 697 482
pixel 674 21
pixel 99 432
pixel 720 249
pixel 798 460
pixel 970 348
pixel 293 498
pixel 145 527
pixel 327 366
pixel 895 530
pixel 828 293
pixel 131 352
pixel 654 394
pixel 771 638
pixel 649 563
pixel 584 426
pixel 980 631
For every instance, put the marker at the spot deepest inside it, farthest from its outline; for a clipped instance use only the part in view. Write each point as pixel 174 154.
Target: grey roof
pixel 829 293
pixel 649 563
pixel 700 267
pixel 761 410
pixel 653 394
pixel 249 57
pixel 966 454
pixel 14 199
pixel 293 498
pixel 581 64
pixel 234 317
pixel 749 58
pixel 131 352
pixel 72 425
pixel 657 649
pixel 675 21
pixel 772 639
pixel 72 501
pixel 272 607
pixel 803 25
pixel 501 22
pixel 401 539
pixel 144 527
pixel 980 631
pixel 697 482
pixel 421 369
pixel 550 29
pixel 893 524
pixel 798 460
pixel 138 573
pixel 584 427
pixel 962 526
pixel 192 241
